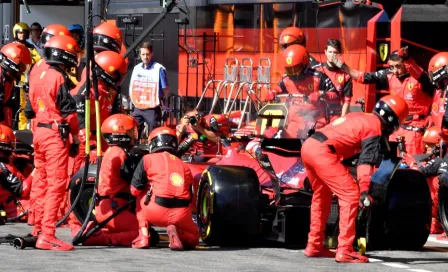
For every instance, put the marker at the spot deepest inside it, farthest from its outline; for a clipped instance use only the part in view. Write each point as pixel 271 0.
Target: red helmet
pixel 296 59
pixel 163 139
pixel 107 37
pixel 111 67
pixel 62 50
pixel 292 35
pixel 119 129
pixel 432 135
pixel 438 61
pixel 53 30
pixel 7 138
pixel 392 110
pixel 15 57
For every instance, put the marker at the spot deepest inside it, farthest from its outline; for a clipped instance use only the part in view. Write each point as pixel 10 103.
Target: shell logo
pixel 61 33
pixel 172 157
pixel 288 60
pixel 40 105
pixel 111 69
pixel 70 46
pixel 115 127
pixel 13 55
pixel 176 179
pixel 340 78
pixel 285 38
pixel 2 136
pixel 435 108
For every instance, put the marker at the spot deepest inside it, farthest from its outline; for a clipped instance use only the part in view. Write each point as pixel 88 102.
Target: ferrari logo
pixel 288 60
pixel 384 51
pixel 40 104
pixel 410 86
pixel 310 87
pixel 340 78
pixel 176 179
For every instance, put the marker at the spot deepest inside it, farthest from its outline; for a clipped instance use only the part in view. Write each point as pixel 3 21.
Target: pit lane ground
pixel 434 257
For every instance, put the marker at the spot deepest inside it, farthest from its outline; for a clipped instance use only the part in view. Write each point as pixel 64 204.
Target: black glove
pixel 365 200
pixel 74 150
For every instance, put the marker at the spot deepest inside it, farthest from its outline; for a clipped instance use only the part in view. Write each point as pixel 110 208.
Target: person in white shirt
pixel 36 31
pixel 147 89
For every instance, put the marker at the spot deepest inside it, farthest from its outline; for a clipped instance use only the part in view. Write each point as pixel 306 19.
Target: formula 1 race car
pixel 243 197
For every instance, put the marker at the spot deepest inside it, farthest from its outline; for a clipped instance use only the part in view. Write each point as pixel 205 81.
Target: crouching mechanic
pixel 356 133
pixel 120 132
pixel 163 186
pixel 13 185
pixel 436 166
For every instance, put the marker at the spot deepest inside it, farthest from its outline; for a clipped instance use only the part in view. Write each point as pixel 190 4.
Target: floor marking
pixel 373 260
pixel 432 239
pixel 419 270
pixel 396 265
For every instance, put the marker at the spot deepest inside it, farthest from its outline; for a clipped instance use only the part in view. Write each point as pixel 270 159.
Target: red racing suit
pixel 113 193
pixel 109 104
pixel 170 180
pixel 14 190
pixel 356 133
pixel 343 85
pixel 432 170
pixel 305 113
pixel 417 90
pixel 51 104
pixel 6 85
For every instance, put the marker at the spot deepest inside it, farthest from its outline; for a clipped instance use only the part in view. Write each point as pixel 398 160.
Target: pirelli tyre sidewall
pixel 403 221
pixel 228 205
pixel 443 204
pixel 83 204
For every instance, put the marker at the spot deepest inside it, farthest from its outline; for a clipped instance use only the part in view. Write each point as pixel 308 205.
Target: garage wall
pixel 46 15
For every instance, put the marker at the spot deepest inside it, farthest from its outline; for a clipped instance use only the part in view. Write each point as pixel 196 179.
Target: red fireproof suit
pixel 417 90
pixel 14 202
pixel 6 84
pixel 52 104
pixel 113 193
pixel 171 183
pixel 356 133
pixel 302 112
pixel 343 85
pixel 109 104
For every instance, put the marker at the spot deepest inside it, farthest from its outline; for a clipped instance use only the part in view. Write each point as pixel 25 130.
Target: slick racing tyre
pixel 403 221
pixel 81 208
pixel 443 204
pixel 228 210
